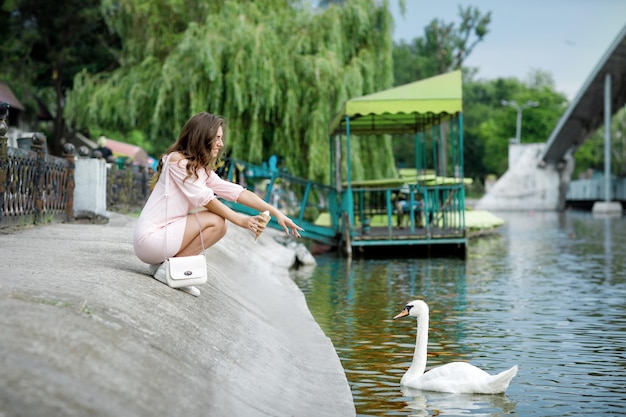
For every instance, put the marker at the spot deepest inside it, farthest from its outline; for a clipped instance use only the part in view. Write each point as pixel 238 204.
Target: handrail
pixel 429 207
pixel 305 201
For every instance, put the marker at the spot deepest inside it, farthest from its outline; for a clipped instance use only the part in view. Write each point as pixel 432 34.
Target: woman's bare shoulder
pixel 177 156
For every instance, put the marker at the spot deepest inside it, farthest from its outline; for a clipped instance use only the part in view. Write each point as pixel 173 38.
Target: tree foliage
pixel 488 126
pixel 45 44
pixel 443 48
pixel 590 155
pixel 278 71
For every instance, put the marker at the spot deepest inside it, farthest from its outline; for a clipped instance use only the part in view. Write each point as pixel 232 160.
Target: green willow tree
pixel 277 70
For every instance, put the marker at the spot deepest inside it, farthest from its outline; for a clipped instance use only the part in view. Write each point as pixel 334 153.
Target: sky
pixel 565 38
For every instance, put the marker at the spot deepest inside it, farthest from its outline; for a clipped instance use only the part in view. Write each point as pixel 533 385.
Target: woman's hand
pixel 288 225
pixel 252 200
pixel 256 224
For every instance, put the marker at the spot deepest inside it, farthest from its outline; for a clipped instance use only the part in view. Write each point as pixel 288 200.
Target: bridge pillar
pixel 607 207
pixel 528 184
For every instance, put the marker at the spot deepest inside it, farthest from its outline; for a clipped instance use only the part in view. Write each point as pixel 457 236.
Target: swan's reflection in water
pixel 423 403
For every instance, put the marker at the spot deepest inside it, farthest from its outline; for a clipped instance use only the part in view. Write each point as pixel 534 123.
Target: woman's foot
pixel 159 275
pixel 152 268
pixel 191 290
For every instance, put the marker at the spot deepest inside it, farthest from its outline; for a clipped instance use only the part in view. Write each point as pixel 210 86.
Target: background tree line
pixel 278 70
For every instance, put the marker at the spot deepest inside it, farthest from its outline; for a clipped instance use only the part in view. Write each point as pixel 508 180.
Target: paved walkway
pixel 84 331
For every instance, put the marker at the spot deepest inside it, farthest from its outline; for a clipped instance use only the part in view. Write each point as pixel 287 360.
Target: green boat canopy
pixel 408 108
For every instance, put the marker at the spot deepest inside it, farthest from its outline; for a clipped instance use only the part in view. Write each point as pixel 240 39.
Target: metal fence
pixel 39 188
pixel 128 188
pixel 34 187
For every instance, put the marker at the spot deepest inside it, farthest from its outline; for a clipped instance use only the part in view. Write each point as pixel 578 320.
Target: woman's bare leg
pixel 213 229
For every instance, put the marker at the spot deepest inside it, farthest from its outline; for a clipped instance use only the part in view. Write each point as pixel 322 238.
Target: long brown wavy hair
pixel 195 141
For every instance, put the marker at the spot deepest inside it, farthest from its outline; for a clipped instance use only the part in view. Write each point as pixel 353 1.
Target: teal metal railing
pixel 417 209
pixel 312 205
pixel 394 215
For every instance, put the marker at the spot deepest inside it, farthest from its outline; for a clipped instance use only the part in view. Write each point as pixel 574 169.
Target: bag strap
pixel 166 171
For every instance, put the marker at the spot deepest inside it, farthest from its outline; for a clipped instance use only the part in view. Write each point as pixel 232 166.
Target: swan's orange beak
pixel 403 313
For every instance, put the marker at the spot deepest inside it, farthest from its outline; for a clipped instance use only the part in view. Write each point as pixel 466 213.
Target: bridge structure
pixel 539 175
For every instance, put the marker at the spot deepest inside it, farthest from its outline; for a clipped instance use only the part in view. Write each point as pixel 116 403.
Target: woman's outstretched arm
pixel 253 223
pixel 252 200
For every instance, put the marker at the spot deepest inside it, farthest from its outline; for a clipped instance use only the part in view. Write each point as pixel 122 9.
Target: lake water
pixel 547 292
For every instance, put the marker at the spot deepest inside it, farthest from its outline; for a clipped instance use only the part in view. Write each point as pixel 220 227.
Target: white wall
pixel 90 192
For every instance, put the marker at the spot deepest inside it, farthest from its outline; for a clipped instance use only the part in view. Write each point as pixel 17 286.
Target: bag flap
pixel 187 267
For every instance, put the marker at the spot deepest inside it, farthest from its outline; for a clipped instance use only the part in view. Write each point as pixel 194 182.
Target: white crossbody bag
pixel 182 271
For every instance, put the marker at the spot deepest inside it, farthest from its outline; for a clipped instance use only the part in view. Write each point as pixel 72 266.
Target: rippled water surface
pixel 548 293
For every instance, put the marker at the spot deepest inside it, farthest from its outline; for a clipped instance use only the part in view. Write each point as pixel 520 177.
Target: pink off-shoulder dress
pixel 185 195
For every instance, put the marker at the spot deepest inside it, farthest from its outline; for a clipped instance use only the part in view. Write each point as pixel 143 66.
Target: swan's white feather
pixel 455 377
pixel 461 377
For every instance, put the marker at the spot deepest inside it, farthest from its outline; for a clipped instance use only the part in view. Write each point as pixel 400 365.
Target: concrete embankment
pixel 85 332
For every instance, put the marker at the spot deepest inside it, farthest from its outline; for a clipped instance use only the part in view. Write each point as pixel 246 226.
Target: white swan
pixel 455 377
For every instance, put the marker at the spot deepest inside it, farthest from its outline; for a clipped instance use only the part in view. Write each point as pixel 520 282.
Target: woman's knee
pixel 221 227
pixel 215 229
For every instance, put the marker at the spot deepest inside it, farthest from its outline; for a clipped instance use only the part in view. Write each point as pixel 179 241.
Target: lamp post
pixel 513 103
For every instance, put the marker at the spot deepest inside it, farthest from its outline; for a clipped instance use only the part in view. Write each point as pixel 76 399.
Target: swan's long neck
pixel 418 366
